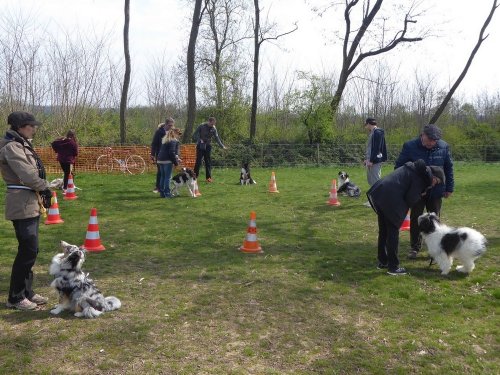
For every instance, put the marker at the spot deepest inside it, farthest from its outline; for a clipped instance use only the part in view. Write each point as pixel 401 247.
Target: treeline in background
pixel 75 82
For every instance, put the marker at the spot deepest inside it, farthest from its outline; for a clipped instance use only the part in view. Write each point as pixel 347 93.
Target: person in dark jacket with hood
pixel 67 151
pixel 167 158
pixel 376 152
pixel 156 145
pixel 433 151
pixel 391 197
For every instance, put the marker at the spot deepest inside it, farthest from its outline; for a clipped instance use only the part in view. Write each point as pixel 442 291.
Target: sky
pixel 162 26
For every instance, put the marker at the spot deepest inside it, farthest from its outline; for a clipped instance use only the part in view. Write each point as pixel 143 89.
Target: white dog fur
pixel 446 243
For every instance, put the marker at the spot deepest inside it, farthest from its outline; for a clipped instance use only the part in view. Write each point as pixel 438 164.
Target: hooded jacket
pixel 67 150
pixel 394 194
pixel 19 168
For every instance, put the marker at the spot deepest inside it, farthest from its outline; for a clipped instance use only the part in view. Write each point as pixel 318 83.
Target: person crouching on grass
pixel 391 197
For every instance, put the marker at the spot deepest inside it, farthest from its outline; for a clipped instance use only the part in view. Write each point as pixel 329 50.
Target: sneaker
pixel 209 179
pixel 412 254
pixel 156 191
pixel 367 204
pixel 397 272
pixel 39 300
pixel 25 305
pixel 381 266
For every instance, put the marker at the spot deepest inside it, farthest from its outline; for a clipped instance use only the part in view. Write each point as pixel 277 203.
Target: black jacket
pixel 169 152
pixel 156 143
pixel 394 194
pixel 378 148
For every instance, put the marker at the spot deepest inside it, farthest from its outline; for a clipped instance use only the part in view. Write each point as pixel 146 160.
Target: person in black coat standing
pixel 390 198
pixel 203 138
pixel 156 145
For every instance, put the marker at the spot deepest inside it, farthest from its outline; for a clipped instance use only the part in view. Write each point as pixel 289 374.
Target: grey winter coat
pixel 18 167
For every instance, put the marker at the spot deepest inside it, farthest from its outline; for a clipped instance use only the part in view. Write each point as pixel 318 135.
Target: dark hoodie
pixel 66 149
pixel 394 194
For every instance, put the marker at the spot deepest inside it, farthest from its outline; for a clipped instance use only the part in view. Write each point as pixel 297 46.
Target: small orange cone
pixel 196 190
pixel 251 245
pixel 272 184
pixel 53 214
pixel 333 200
pixel 406 222
pixel 92 239
pixel 70 191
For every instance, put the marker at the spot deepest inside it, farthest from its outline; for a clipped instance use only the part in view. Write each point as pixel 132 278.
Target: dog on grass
pixel 77 292
pixel 185 177
pixel 346 187
pixel 446 243
pixel 245 177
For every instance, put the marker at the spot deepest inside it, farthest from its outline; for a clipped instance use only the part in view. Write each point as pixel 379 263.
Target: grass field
pixel 312 303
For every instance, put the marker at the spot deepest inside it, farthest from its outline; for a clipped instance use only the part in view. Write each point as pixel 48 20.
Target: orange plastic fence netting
pixel 87 157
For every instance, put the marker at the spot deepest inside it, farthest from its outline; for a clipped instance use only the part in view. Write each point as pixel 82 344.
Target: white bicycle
pixel 126 162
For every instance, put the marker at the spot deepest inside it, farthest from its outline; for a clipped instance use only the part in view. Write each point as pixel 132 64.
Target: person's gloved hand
pixel 46 196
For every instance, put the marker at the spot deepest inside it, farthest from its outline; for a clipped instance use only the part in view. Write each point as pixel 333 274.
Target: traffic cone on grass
pixel 251 245
pixel 272 184
pixel 53 214
pixel 406 222
pixel 70 191
pixel 92 239
pixel 333 200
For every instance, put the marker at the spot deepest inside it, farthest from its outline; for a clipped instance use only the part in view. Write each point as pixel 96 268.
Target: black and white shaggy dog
pixel 446 243
pixel 185 177
pixel 347 187
pixel 245 177
pixel 77 292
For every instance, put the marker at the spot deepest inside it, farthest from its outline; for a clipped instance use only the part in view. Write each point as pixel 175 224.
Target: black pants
pixel 205 155
pixel 66 167
pixel 21 279
pixel 158 175
pixel 388 242
pixel 431 205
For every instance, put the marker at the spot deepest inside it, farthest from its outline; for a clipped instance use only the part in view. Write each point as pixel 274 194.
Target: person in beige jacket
pixel 27 194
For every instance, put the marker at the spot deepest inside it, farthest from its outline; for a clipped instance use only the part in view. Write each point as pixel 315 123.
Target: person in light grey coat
pixel 27 194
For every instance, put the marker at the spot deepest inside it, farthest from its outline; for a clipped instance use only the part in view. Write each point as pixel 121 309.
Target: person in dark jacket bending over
pixel 433 151
pixel 391 197
pixel 376 152
pixel 156 145
pixel 203 138
pixel 67 151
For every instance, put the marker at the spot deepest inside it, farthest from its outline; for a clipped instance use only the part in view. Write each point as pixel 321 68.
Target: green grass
pixel 312 303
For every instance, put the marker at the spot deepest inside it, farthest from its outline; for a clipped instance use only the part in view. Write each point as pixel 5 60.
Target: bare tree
pixel 261 34
pixel 353 42
pixel 191 72
pixel 481 39
pixel 126 78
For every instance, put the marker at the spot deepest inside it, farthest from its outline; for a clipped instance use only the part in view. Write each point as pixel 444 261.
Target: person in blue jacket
pixel 375 153
pixel 429 147
pixel 391 197
pixel 168 157
pixel 156 145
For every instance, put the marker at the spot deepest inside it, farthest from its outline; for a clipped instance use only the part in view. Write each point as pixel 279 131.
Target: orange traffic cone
pixel 54 217
pixel 251 245
pixel 92 239
pixel 272 184
pixel 196 190
pixel 333 200
pixel 70 191
pixel 406 222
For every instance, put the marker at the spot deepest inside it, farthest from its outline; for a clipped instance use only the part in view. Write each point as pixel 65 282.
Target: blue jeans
pixel 165 176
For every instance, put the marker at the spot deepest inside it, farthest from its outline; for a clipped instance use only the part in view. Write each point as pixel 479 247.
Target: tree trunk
pixel 191 74
pixel 126 78
pixel 255 89
pixel 460 78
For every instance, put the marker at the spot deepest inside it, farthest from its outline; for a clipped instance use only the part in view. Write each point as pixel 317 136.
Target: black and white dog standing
pixel 245 177
pixel 185 177
pixel 347 187
pixel 446 243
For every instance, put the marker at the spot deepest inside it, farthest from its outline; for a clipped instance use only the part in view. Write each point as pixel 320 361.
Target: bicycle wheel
pixel 135 164
pixel 104 164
